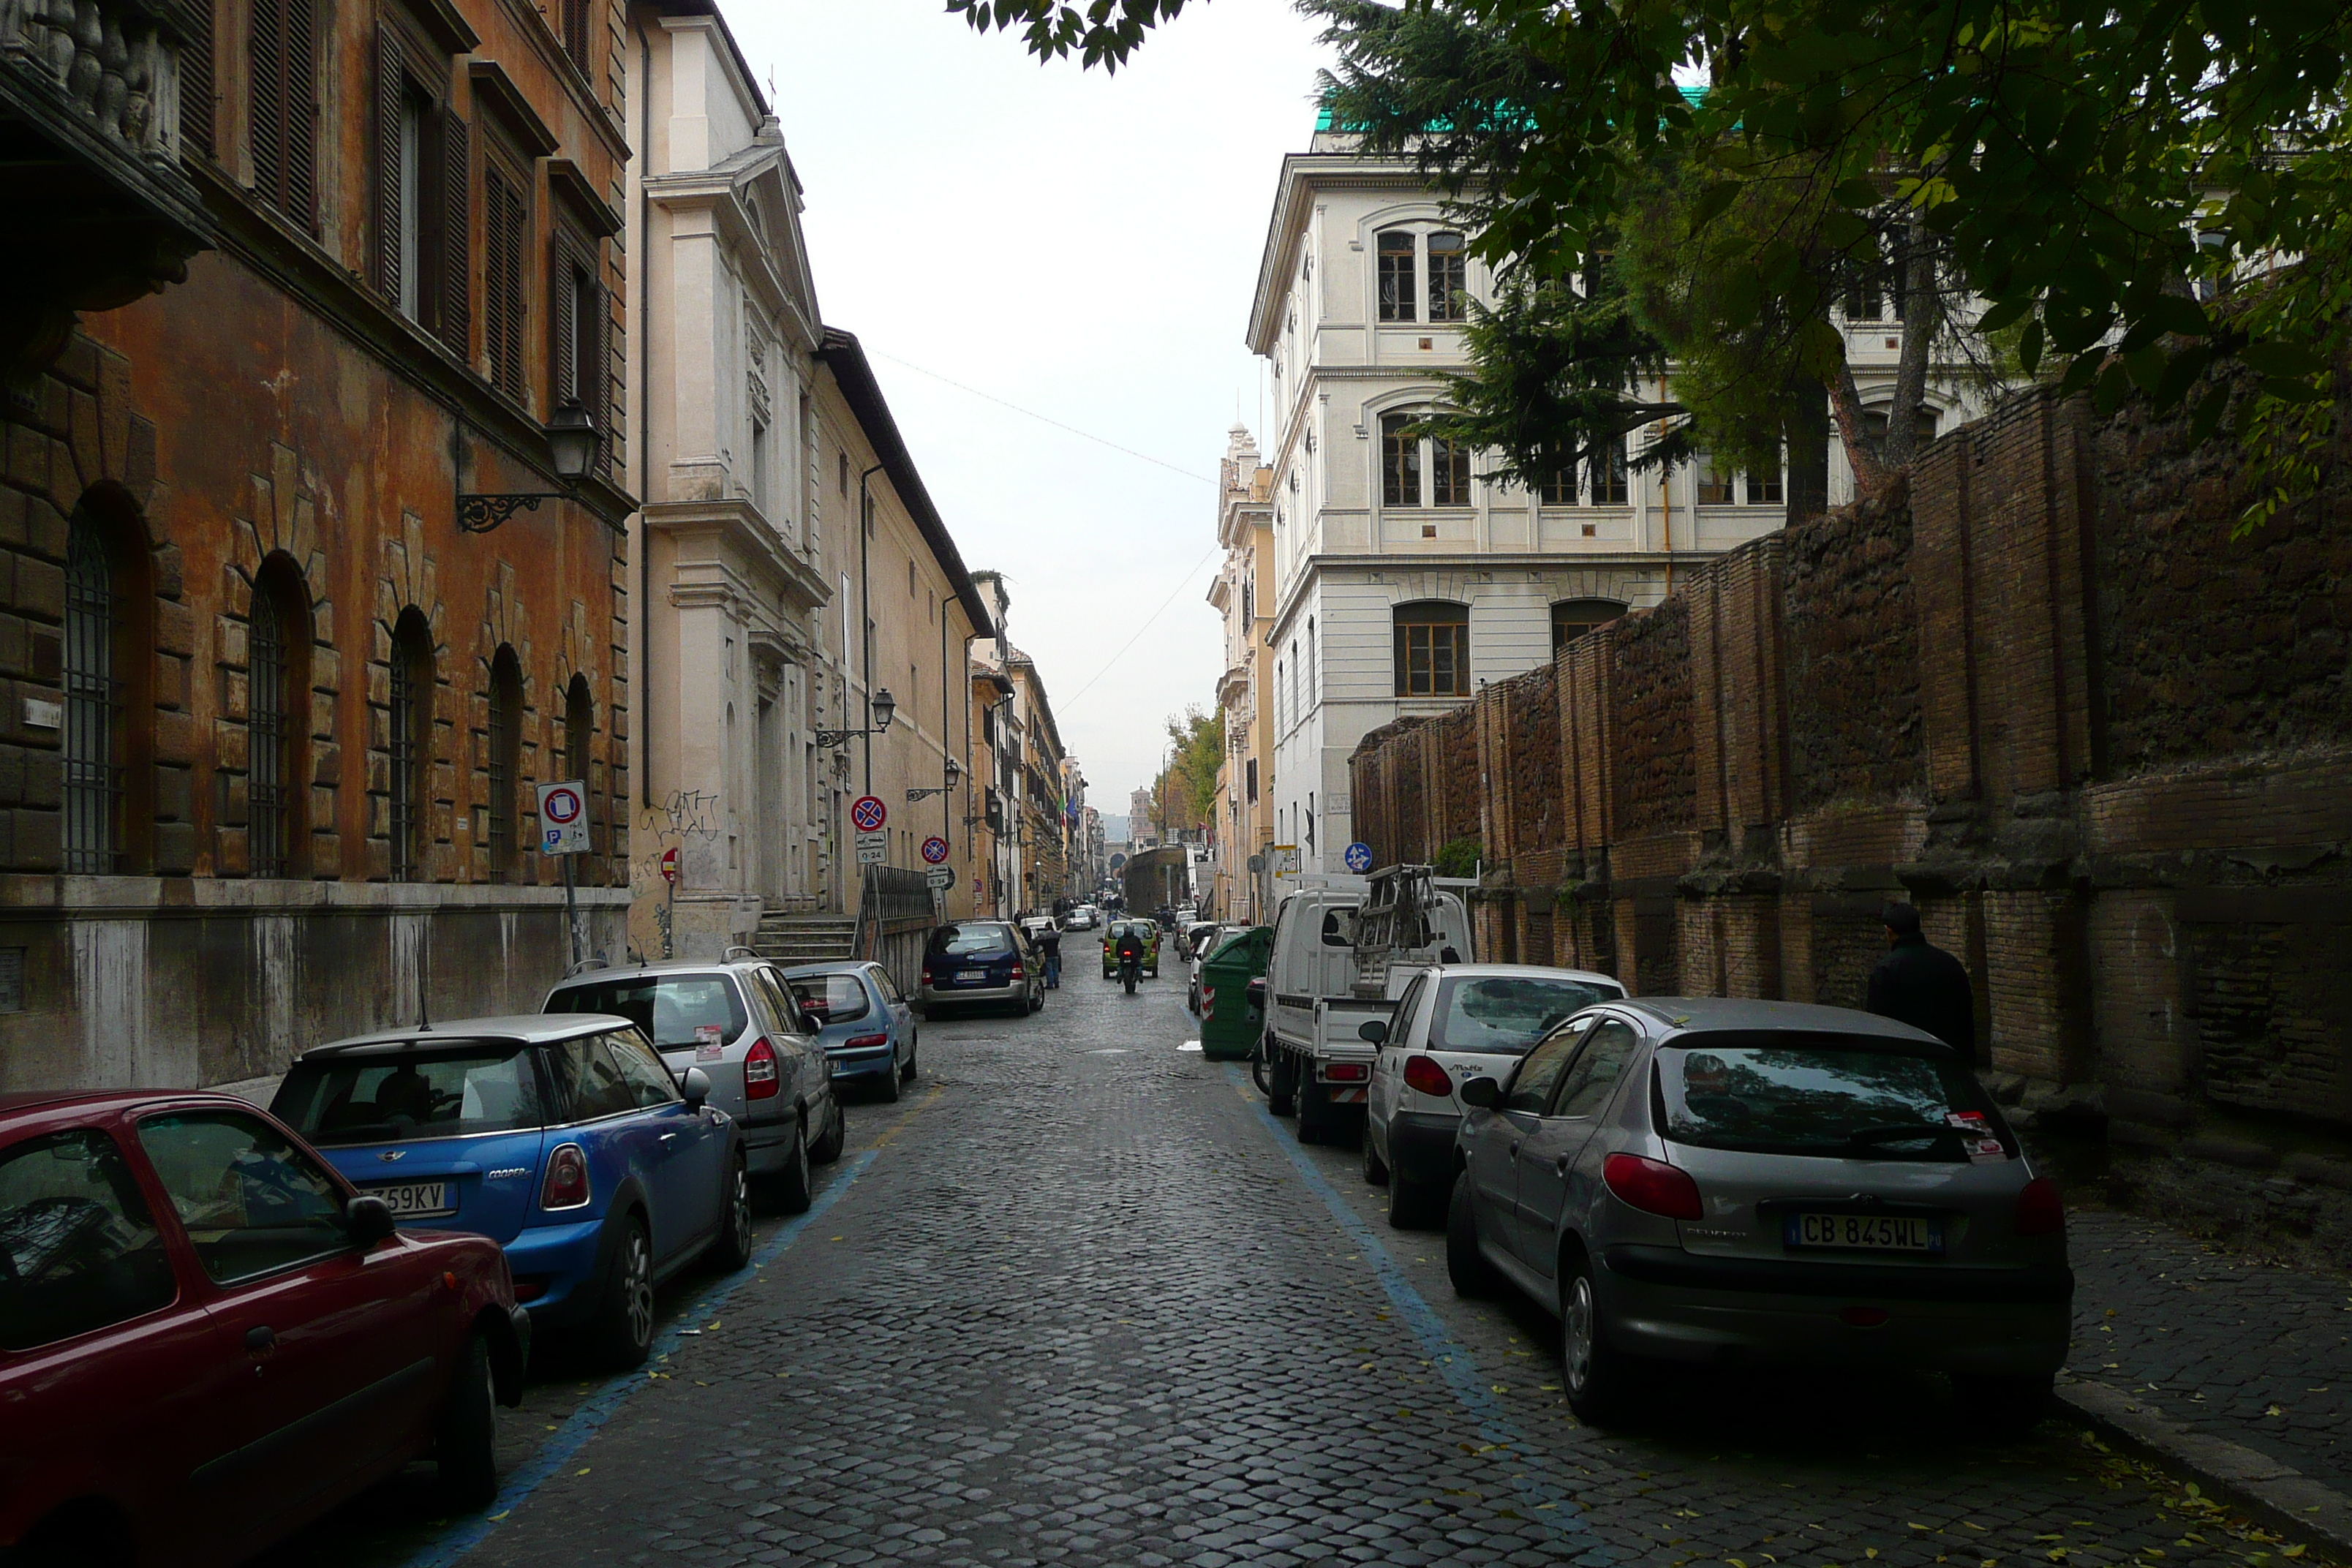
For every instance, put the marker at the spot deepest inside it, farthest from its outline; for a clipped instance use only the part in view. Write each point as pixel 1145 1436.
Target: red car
pixel 208 1337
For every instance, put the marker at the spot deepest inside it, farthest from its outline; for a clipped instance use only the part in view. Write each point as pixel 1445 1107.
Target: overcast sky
pixel 1081 246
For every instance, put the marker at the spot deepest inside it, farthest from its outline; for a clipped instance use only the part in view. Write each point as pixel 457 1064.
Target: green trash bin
pixel 1231 1021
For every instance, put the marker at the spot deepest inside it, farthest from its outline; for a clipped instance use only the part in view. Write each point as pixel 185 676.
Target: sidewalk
pixel 2238 1371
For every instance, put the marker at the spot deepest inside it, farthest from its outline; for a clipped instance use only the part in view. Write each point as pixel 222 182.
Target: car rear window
pixel 1854 1098
pixel 668 1007
pixel 972 939
pixel 1503 1016
pixel 382 1097
pixel 840 996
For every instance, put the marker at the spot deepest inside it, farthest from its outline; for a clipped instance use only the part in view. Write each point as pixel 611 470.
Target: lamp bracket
pixel 482 513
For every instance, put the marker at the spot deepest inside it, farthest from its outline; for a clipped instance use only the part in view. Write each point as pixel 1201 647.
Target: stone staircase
pixel 806 938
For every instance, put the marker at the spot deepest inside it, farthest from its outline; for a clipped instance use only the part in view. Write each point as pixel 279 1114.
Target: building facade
pixel 1403 580
pixel 1242 593
pixel 315 557
pixel 730 820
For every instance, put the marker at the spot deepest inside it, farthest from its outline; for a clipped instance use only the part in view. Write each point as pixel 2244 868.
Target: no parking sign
pixel 563 818
pixel 935 849
pixel 869 813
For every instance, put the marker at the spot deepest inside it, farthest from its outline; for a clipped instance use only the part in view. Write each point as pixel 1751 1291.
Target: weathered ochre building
pixel 270 719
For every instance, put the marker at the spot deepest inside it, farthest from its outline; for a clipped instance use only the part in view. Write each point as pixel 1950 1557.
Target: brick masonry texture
pixel 2040 691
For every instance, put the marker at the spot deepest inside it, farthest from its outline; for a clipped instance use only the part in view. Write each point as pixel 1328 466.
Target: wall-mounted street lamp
pixel 573 440
pixel 878 710
pixel 955 771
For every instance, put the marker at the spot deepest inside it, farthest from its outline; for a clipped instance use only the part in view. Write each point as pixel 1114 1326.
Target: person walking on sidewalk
pixel 1922 986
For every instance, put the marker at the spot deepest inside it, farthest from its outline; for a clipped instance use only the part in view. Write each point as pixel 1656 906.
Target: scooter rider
pixel 1129 952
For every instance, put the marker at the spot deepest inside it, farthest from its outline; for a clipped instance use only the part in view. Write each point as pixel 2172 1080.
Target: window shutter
pixel 302 60
pixel 575 32
pixel 197 109
pixel 390 80
pixel 512 283
pixel 268 79
pixel 494 308
pixel 597 383
pixel 562 311
pixel 457 320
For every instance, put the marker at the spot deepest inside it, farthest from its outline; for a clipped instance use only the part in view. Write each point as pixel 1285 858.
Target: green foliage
pixel 1186 788
pixel 1460 859
pixel 2066 153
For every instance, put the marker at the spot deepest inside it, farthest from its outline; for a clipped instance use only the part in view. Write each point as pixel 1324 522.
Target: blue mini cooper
pixel 560 1136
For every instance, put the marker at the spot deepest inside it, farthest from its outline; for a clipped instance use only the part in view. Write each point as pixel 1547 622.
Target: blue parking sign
pixel 1359 857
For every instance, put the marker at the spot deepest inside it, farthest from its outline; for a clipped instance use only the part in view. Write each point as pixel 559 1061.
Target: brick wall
pixel 2040 692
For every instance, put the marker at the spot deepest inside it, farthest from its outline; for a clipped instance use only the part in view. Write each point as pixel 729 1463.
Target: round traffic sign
pixel 935 849
pixel 562 806
pixel 1359 857
pixel 869 813
pixel 670 864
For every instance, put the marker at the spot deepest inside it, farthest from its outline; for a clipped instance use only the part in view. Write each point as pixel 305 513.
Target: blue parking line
pixel 1446 1353
pixel 602 1405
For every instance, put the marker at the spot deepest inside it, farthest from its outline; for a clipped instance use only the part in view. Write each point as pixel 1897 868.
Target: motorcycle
pixel 1131 968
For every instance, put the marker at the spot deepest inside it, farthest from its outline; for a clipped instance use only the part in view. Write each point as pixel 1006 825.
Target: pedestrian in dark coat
pixel 1923 986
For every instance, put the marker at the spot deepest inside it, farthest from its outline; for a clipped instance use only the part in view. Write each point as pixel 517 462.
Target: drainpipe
pixel 645 716
pixel 865 616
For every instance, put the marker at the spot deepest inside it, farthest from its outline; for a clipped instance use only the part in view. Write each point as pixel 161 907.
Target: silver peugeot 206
pixel 1736 1183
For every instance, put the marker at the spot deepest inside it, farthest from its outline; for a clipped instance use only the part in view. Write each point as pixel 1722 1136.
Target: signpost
pixel 873 848
pixel 670 866
pixel 935 849
pixel 940 877
pixel 869 813
pixel 564 830
pixel 1359 857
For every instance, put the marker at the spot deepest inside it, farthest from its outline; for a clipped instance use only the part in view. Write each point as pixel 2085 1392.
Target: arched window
pixel 1874 428
pixel 410 740
pixel 93 717
pixel 1571 618
pixel 1407 460
pixel 503 745
pixel 277 721
pixel 1449 280
pixel 1432 649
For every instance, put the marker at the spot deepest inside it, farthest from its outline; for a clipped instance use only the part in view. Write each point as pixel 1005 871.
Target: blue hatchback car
pixel 865 1024
pixel 560 1136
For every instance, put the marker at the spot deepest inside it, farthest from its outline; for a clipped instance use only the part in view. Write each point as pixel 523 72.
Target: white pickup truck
pixel 1336 942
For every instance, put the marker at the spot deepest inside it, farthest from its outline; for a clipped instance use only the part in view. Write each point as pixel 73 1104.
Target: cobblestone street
pixel 1079 1298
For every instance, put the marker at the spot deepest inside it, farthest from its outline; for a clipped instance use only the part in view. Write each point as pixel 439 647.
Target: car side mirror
pixel 1482 1092
pixel 1374 1030
pixel 367 1219
pixel 696 1086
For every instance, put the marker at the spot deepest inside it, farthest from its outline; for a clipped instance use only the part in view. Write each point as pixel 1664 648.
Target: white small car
pixel 1452 1024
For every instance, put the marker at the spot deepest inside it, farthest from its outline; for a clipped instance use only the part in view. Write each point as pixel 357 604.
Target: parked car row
pixel 225 1322
pixel 1724 1183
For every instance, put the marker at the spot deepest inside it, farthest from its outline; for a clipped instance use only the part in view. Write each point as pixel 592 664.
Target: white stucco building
pixel 1401 581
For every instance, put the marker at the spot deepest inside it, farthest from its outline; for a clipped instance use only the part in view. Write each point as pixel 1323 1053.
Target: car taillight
pixel 1016 971
pixel 2040 1210
pixel 860 1042
pixel 1423 1075
pixel 760 1071
pixel 1653 1187
pixel 927 974
pixel 1346 1072
pixel 565 1185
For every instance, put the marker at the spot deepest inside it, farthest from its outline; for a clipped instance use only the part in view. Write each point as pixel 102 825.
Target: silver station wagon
pixel 1735 1182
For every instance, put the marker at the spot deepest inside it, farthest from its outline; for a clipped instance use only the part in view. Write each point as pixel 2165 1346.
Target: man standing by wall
pixel 1923 986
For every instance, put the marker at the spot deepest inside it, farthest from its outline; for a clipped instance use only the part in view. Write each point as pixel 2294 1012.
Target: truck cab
pixel 1337 941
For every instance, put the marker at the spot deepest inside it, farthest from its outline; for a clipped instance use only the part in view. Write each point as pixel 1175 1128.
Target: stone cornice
pixel 1305 175
pixel 738 526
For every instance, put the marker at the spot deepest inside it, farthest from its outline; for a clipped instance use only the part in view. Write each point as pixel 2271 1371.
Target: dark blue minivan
pixel 562 1137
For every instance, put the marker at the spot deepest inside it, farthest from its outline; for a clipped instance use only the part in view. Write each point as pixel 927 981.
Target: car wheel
pixel 2002 1406
pixel 907 1073
pixel 1466 1266
pixel 1282 1075
pixel 623 1331
pixel 837 1134
pixel 791 1187
pixel 465 1433
pixel 730 1249
pixel 1599 1379
pixel 1376 1171
pixel 892 1079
